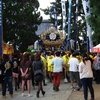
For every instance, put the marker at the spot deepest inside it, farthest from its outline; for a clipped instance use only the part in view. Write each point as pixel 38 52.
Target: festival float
pixel 51 40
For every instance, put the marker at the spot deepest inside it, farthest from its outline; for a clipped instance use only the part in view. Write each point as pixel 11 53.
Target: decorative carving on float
pixel 52 37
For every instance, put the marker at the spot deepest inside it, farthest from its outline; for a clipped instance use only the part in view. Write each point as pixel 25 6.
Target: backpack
pixel 38 75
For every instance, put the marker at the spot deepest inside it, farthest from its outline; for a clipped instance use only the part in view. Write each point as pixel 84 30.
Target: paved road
pixel 79 94
pixel 65 93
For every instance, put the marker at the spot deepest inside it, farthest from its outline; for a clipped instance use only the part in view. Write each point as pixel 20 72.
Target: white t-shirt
pixel 73 62
pixel 57 62
pixel 85 70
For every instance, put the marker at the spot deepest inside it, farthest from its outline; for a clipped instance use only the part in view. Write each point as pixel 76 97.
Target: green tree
pixel 81 24
pixel 94 20
pixel 20 21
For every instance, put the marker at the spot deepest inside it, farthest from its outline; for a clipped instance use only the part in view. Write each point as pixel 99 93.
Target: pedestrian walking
pixel 50 66
pixel 74 72
pixel 38 70
pixel 58 64
pixel 44 60
pixel 33 81
pixel 86 76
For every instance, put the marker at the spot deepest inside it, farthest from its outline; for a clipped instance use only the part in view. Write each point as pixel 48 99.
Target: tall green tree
pixel 81 24
pixel 94 20
pixel 20 21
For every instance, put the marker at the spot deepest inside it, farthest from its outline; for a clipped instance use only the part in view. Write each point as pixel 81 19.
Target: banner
pixel 0 27
pixel 63 15
pixel 87 12
pixel 69 22
pixel 55 14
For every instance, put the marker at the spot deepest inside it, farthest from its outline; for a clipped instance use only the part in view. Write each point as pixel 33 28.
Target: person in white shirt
pixel 57 70
pixel 74 73
pixel 86 76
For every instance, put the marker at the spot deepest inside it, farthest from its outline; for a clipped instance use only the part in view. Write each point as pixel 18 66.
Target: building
pixel 44 26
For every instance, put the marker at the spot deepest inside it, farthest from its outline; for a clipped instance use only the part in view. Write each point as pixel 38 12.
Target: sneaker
pixel 72 87
pixel 54 87
pixel 57 89
pixel 23 94
pixel 91 99
pixel 46 81
pixel 11 95
pixel 29 95
pixel 76 89
pixel 4 97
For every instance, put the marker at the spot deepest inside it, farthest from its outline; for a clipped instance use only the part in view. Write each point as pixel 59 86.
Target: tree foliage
pixel 76 32
pixel 94 20
pixel 20 21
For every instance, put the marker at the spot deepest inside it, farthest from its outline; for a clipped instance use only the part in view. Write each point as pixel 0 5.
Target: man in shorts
pixel 74 73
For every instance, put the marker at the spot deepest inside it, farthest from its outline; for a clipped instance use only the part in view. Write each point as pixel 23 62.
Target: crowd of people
pixel 22 69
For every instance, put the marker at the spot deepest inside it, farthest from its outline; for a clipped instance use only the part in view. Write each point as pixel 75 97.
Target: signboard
pixel 0 27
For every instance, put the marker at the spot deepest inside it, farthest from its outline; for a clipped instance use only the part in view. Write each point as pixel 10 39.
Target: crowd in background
pixel 20 70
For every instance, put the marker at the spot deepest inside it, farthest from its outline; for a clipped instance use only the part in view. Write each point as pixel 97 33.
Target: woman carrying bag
pixel 25 68
pixel 38 70
pixel 86 76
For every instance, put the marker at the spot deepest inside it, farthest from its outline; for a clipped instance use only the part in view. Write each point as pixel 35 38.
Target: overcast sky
pixel 44 4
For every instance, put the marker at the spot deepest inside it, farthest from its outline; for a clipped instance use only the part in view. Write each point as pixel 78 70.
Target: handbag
pixel 15 75
pixel 38 75
pixel 26 76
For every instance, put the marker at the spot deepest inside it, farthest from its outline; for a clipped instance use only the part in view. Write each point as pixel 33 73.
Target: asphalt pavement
pixel 65 93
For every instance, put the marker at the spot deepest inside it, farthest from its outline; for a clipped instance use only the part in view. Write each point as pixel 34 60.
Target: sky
pixel 44 4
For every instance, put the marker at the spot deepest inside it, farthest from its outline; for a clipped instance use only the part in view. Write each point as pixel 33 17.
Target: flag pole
pixel 76 27
pixel 1 36
pixel 55 14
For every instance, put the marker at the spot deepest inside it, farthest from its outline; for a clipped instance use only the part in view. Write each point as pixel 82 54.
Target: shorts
pixel 74 76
